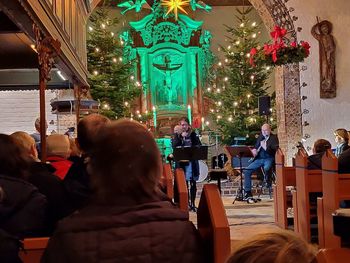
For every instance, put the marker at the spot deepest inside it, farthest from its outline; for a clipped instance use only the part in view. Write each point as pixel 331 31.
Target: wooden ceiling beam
pixel 95 3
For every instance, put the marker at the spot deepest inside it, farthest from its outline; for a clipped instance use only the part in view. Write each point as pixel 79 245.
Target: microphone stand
pixel 240 193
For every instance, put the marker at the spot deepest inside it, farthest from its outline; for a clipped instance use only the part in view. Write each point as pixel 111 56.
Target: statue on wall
pixel 322 32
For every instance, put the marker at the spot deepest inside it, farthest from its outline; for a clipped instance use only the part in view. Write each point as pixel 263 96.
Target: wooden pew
pixel 33 249
pixel 285 176
pixel 168 180
pixel 333 255
pixel 213 224
pixel 182 190
pixel 307 181
pixel 336 187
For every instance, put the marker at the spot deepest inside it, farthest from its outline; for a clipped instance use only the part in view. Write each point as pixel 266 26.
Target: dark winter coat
pixel 59 206
pixel 151 232
pixel 22 208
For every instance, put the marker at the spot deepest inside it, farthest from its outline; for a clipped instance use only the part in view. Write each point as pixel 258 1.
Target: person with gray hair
pixel 128 219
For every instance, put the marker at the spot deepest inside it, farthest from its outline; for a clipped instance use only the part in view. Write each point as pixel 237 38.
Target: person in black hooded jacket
pixel 22 207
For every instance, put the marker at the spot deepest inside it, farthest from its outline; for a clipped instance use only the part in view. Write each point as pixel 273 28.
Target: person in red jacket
pixel 58 151
pixel 127 219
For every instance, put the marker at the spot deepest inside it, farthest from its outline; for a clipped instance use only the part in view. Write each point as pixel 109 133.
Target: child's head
pixel 58 145
pixel 275 247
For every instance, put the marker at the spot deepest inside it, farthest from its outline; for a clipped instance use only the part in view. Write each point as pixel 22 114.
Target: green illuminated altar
pixel 172 58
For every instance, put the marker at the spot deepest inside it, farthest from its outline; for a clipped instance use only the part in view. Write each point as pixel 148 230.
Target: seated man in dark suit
pixel 315 160
pixel 264 156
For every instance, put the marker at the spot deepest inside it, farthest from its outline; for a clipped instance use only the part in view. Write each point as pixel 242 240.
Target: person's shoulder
pixel 345 154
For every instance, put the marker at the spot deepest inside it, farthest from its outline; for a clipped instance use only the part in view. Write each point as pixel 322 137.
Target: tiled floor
pixel 245 219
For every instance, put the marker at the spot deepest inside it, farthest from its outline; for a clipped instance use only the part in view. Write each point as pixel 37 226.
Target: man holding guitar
pixel 264 156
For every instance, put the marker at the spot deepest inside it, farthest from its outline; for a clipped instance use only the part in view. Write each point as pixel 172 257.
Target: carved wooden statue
pixel 322 32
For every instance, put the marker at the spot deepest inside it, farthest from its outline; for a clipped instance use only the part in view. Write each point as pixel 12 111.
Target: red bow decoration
pixel 279 33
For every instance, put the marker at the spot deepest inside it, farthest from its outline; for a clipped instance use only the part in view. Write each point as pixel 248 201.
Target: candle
pixel 154 117
pixel 189 113
pixel 202 123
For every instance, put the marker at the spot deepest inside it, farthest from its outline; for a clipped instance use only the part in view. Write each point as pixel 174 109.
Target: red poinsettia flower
pixel 293 44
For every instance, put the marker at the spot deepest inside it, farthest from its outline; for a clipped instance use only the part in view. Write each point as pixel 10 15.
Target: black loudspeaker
pixel 264 105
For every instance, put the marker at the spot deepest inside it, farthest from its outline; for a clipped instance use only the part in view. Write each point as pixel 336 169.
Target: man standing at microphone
pixel 188 138
pixel 264 156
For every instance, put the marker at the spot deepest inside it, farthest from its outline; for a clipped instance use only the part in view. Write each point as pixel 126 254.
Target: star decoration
pixel 175 6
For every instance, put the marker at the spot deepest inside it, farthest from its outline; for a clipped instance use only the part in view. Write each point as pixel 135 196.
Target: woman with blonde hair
pixel 274 247
pixel 342 140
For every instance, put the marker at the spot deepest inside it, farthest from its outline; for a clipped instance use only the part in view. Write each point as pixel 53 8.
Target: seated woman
pixel 127 219
pixel 342 140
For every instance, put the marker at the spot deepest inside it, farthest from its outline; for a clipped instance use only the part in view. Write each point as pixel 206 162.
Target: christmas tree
pixel 237 85
pixel 111 79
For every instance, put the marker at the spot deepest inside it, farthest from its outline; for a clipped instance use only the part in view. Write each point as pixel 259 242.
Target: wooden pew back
pixel 33 249
pixel 333 255
pixel 336 187
pixel 168 180
pixel 307 181
pixel 285 176
pixel 180 182
pixel 213 224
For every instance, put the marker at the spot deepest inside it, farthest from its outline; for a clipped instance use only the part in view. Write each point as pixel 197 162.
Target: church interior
pixel 174 130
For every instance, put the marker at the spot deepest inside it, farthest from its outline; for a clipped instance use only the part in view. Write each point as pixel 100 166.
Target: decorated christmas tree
pixel 237 84
pixel 111 79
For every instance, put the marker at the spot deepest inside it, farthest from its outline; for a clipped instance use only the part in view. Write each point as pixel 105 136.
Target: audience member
pixel 75 152
pixel 315 160
pixel 77 181
pixel 342 140
pixel 344 162
pixel 22 208
pixel 41 176
pixel 58 151
pixel 36 135
pixel 126 220
pixel 282 246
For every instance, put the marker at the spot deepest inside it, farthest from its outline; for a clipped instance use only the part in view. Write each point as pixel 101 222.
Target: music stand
pixel 194 153
pixel 239 152
pixel 190 153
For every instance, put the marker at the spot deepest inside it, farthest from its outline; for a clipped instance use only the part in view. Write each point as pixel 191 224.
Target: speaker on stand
pixel 264 104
